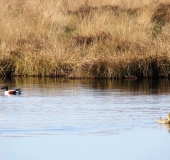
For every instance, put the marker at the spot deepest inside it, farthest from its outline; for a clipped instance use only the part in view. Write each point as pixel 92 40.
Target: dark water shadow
pixel 145 86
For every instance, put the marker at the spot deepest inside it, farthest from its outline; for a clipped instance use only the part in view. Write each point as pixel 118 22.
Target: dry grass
pixel 85 38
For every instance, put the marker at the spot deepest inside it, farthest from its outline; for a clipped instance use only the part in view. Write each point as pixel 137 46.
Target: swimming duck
pixel 164 120
pixel 168 116
pixel 9 92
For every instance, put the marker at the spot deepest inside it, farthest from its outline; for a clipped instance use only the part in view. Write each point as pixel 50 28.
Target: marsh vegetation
pixel 85 38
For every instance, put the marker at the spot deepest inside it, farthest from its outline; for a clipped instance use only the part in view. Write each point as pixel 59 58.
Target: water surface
pixel 84 119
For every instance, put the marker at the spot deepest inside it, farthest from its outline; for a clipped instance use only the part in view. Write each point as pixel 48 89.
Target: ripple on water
pixel 81 107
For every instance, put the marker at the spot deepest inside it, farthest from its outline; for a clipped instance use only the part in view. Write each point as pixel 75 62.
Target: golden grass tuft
pixel 85 38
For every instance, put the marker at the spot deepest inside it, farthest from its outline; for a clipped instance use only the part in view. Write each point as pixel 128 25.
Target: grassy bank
pixel 85 38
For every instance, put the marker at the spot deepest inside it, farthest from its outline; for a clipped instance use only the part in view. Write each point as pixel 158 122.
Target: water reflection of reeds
pixel 145 86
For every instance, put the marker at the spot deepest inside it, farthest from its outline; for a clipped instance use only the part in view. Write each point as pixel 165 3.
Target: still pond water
pixel 59 119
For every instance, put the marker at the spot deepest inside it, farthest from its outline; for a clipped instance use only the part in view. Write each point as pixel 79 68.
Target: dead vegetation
pixel 85 38
pixel 160 17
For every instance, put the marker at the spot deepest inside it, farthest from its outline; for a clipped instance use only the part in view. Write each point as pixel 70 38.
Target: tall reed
pixel 85 38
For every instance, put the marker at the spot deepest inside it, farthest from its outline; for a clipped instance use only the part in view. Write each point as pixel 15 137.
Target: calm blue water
pixel 84 119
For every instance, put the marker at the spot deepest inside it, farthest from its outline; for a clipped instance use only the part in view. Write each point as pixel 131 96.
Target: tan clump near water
pixel 164 120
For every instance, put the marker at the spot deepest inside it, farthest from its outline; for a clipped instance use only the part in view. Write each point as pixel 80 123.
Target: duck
pixel 164 120
pixel 11 92
pixel 168 116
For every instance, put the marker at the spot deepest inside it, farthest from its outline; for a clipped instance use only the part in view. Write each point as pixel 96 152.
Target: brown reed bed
pixel 85 38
